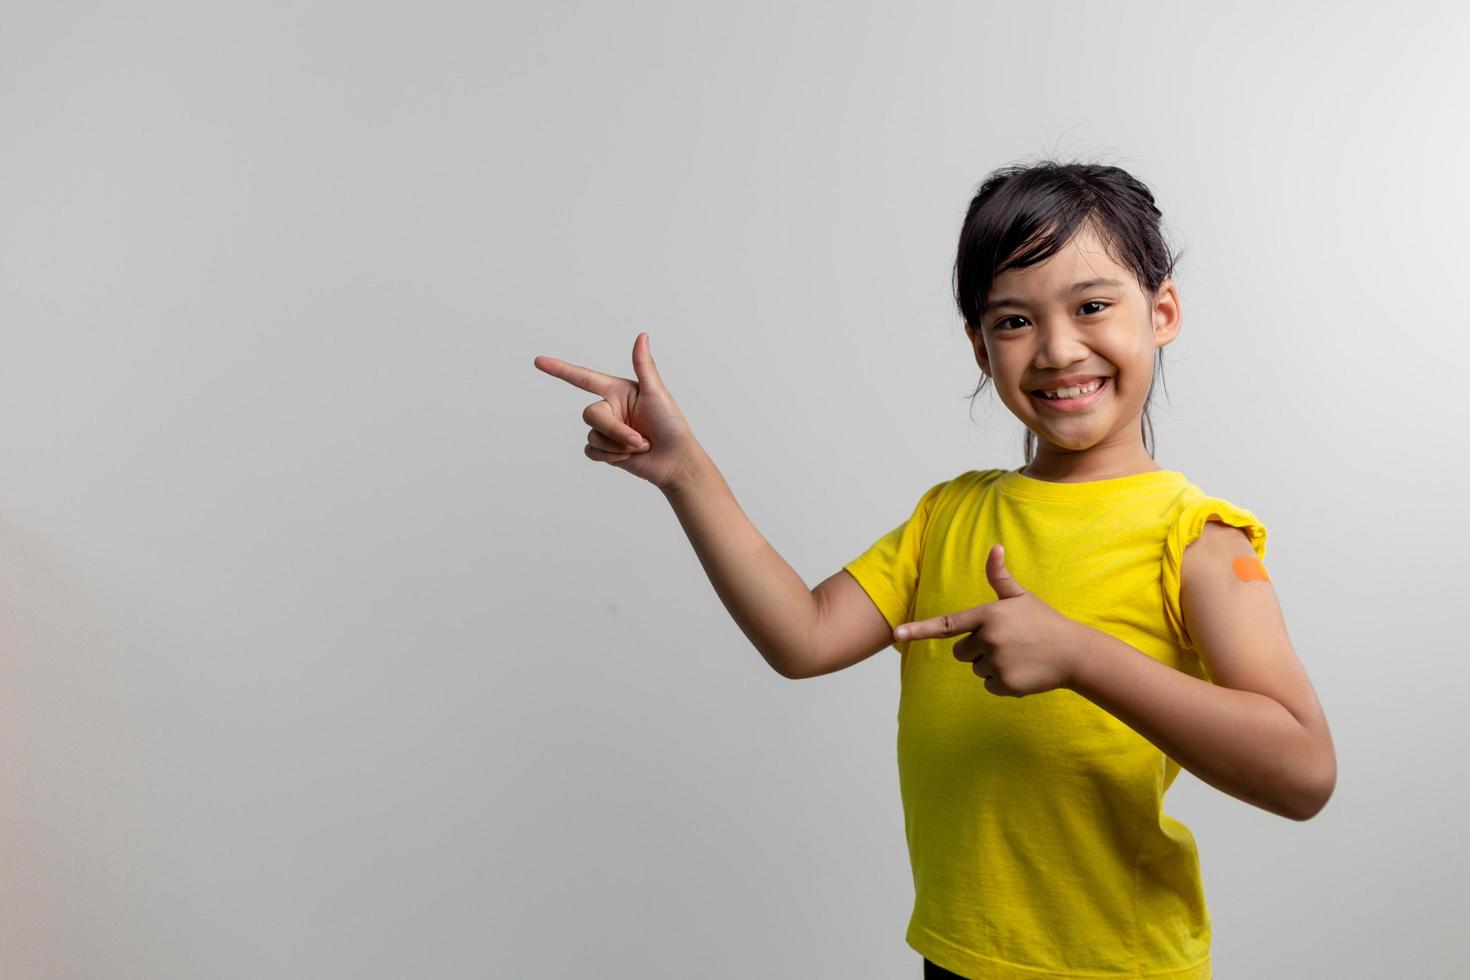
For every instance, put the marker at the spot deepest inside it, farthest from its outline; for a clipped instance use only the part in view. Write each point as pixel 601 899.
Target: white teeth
pixel 1074 391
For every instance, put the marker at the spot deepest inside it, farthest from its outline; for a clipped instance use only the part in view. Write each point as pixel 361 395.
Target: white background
pixel 325 651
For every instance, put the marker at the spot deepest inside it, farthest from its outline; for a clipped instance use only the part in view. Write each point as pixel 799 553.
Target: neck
pixel 1057 465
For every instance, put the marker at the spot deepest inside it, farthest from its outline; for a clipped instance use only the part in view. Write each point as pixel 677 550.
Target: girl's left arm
pixel 1257 732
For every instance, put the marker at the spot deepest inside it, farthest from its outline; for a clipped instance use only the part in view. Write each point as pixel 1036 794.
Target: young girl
pixel 1116 621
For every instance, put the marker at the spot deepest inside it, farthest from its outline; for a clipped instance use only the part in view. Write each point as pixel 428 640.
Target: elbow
pixel 1316 793
pixel 795 672
pixel 1314 806
pixel 788 668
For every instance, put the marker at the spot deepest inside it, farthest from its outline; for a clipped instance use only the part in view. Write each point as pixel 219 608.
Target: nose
pixel 1058 346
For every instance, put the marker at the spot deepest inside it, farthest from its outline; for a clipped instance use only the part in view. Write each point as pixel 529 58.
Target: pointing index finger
pixel 583 377
pixel 950 624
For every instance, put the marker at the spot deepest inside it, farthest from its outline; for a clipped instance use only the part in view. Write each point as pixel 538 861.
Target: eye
pixel 1000 324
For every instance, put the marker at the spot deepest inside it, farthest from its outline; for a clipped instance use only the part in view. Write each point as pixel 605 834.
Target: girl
pixel 1117 621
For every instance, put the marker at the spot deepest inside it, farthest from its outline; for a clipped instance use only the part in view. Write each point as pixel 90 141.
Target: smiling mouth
pixel 1077 403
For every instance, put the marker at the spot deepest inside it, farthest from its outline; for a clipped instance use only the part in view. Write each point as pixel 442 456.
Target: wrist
pixel 1083 660
pixel 691 473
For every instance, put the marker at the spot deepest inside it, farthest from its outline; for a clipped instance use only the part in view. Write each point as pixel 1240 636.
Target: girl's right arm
pixel 799 632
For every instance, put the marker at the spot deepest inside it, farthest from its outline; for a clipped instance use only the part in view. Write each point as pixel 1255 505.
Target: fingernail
pixel 902 632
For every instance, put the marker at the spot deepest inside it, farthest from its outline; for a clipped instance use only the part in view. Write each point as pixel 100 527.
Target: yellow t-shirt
pixel 1035 825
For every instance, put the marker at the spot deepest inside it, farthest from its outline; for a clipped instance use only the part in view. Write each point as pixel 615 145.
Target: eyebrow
pixel 1080 287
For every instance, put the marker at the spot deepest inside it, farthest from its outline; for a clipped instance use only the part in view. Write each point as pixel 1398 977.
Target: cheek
pixel 1136 375
pixel 1133 352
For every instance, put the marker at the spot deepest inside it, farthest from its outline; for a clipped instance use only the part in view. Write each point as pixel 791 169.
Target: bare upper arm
pixel 1234 619
pixel 850 628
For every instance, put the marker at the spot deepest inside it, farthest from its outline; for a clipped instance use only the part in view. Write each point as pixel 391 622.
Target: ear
pixel 978 342
pixel 1167 316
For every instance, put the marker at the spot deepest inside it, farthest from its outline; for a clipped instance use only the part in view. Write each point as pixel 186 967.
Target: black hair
pixel 1023 214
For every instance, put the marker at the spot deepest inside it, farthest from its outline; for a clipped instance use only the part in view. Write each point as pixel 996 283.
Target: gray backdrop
pixel 325 652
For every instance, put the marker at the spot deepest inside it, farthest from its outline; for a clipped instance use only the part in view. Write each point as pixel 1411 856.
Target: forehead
pixel 1082 258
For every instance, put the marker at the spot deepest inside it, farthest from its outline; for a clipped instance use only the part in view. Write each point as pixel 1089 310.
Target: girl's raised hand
pixel 636 426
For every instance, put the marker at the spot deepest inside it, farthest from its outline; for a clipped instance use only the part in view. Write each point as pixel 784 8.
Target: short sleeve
pixel 889 570
pixel 1184 532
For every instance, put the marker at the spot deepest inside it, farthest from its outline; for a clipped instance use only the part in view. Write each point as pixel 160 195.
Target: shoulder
pixel 1210 544
pixel 1202 523
pixel 974 480
pixel 1219 545
pixel 961 485
pixel 950 498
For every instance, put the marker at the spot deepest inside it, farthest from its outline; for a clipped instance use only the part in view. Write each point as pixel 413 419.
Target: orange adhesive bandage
pixel 1249 567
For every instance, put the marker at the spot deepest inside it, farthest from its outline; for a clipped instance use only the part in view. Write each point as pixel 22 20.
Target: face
pixel 1039 330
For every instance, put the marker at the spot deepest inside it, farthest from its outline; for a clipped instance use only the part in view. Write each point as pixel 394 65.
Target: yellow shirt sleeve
pixel 889 570
pixel 1183 533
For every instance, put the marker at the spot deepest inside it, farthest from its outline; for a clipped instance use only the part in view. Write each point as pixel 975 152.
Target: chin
pixel 1069 447
pixel 1065 445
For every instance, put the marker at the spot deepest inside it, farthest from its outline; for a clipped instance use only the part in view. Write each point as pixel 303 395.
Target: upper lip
pixel 1068 381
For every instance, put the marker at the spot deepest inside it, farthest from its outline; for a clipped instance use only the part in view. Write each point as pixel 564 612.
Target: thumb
pixel 643 364
pixel 1000 577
